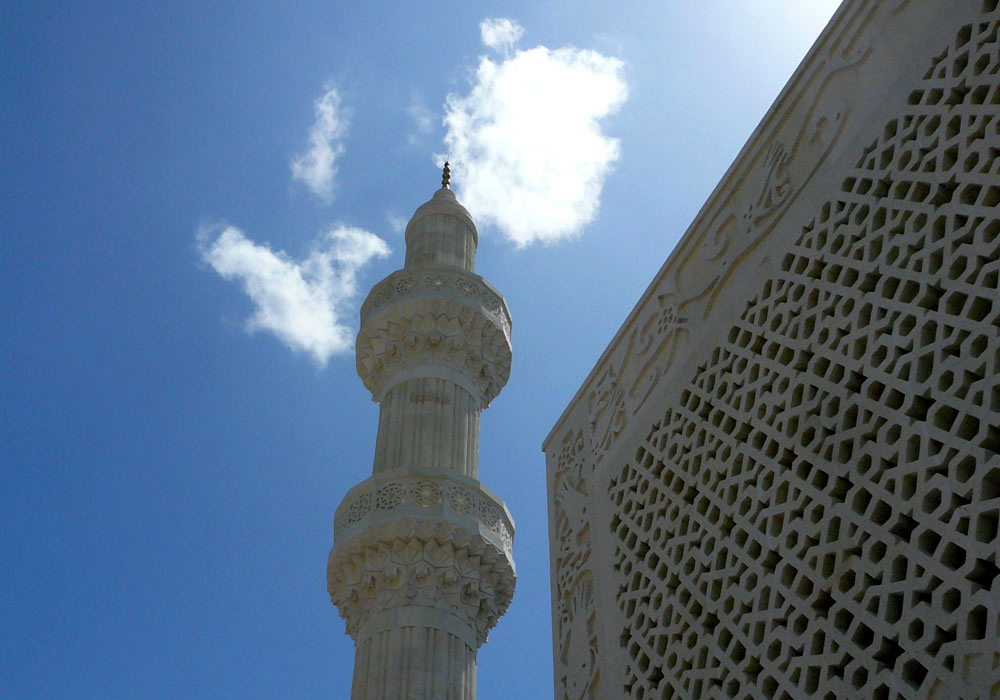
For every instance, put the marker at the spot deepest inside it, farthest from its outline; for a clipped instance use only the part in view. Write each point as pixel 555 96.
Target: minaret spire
pixel 421 568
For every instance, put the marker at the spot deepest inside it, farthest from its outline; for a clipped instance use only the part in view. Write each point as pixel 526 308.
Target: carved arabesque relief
pixel 580 643
pixel 577 676
pixel 702 266
pixel 817 515
pixel 606 411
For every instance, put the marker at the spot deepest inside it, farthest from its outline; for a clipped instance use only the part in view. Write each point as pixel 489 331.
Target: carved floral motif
pixel 776 189
pixel 577 674
pixel 606 404
pixel 580 644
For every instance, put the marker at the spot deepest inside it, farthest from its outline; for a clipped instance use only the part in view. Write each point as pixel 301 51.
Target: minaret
pixel 421 566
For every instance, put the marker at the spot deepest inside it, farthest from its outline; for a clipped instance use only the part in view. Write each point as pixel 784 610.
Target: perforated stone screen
pixel 814 511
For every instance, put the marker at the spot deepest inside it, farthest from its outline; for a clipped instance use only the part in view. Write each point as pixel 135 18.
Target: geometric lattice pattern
pixel 424 495
pixel 817 517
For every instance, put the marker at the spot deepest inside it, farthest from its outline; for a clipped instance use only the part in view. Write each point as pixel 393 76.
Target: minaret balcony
pixel 409 543
pixel 438 321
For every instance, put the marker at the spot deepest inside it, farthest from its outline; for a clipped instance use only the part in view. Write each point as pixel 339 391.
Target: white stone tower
pixel 421 565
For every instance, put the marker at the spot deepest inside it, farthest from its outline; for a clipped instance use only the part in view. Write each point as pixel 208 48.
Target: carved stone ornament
pixel 435 317
pixel 580 643
pixel 791 482
pixel 425 496
pixel 814 514
pixel 723 237
pixel 577 676
pixel 438 282
pixel 406 563
pixel 606 404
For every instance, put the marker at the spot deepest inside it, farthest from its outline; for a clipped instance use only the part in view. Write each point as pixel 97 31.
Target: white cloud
pixel 318 166
pixel 303 303
pixel 500 33
pixel 526 144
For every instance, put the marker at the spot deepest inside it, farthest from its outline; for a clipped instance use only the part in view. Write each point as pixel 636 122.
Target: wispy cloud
pixel 396 222
pixel 422 118
pixel 500 33
pixel 317 167
pixel 526 143
pixel 302 302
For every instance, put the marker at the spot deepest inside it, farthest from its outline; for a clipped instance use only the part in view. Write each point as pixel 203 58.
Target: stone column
pixel 421 567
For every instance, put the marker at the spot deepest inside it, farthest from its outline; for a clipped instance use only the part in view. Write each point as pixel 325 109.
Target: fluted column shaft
pixel 442 239
pixel 429 424
pixel 414 663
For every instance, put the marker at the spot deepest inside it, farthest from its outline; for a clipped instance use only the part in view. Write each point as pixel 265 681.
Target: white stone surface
pixel 782 478
pixel 422 567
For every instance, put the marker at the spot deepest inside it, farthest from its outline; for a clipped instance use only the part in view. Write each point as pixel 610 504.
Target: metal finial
pixel 446 176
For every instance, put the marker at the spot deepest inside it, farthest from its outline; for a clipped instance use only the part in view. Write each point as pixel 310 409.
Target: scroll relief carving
pixel 818 513
pixel 440 331
pixel 579 656
pixel 606 411
pixel 578 673
pixel 721 242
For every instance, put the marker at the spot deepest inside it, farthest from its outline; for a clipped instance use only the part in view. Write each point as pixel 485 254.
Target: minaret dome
pixel 441 232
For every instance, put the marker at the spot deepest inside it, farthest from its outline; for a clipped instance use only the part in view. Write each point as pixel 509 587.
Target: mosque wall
pixel 782 477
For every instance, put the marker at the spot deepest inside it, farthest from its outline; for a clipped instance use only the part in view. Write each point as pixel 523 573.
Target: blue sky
pixel 173 449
